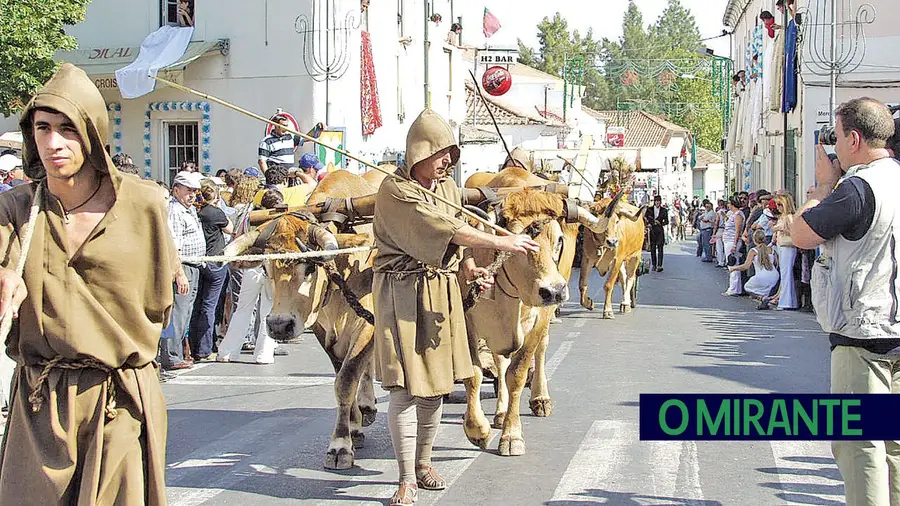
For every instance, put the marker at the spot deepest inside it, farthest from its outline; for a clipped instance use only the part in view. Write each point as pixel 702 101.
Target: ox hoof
pixel 624 308
pixel 368 415
pixel 587 303
pixel 359 440
pixel 339 459
pixel 477 433
pixel 512 446
pixel 541 407
pixel 608 315
pixel 499 420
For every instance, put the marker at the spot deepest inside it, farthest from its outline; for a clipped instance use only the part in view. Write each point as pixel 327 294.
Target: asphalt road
pixel 248 434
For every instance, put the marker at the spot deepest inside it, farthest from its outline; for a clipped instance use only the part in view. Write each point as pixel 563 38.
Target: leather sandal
pixel 406 494
pixel 429 479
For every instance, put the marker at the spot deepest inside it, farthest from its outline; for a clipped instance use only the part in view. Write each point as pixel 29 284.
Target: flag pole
pixel 426 191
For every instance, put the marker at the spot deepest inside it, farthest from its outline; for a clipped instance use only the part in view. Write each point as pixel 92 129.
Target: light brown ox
pixel 514 317
pixel 304 297
pixel 615 252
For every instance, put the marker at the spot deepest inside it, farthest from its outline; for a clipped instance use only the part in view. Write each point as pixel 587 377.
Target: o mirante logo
pixel 768 417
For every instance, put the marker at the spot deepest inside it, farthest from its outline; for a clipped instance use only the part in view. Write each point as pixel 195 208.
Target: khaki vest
pixel 854 283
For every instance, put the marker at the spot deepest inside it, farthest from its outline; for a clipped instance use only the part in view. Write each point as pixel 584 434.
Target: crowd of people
pixel 217 308
pixel 750 236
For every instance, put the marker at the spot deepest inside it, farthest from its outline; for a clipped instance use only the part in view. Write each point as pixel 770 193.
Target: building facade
pixel 771 144
pixel 310 58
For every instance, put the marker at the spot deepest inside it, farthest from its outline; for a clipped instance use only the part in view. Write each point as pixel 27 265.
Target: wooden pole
pixel 426 191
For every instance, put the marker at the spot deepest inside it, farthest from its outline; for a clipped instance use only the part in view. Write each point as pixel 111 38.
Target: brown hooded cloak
pixel 420 329
pixel 98 435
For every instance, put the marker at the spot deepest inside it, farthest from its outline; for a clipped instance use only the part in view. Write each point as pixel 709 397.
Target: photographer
pixel 854 286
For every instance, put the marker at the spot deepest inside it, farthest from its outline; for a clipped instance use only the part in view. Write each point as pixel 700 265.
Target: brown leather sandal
pixel 429 479
pixel 406 494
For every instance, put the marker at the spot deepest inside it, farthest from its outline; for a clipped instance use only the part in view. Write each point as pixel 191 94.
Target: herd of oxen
pixel 512 320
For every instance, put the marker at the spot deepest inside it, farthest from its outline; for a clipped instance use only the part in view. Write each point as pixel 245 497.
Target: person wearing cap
pixel 310 167
pixel 184 224
pixel 8 164
pixel 87 417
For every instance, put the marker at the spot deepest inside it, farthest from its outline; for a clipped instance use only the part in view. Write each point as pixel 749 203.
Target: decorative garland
pixel 116 109
pixel 202 107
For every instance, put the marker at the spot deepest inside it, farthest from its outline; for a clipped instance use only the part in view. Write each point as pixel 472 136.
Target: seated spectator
pixel 763 260
pixel 276 177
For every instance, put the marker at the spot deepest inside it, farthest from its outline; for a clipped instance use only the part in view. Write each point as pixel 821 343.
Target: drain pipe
pixel 427 52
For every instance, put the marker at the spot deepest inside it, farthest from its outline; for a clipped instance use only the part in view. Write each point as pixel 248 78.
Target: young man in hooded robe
pixel 87 422
pixel 421 345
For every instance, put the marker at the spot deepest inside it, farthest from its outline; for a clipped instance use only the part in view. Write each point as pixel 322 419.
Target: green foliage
pixel 31 31
pixel 674 36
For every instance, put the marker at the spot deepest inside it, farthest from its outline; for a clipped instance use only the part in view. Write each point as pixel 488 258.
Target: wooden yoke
pixel 364 206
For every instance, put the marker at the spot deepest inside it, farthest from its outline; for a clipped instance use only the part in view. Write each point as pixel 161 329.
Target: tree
pixel 31 31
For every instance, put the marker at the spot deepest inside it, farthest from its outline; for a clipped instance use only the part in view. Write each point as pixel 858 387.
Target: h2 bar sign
pixel 491 58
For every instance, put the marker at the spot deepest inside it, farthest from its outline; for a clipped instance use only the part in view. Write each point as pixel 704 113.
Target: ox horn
pixel 630 211
pixel 242 243
pixel 590 221
pixel 322 237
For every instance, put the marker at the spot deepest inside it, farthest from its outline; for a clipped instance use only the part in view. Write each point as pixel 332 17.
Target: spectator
pixel 707 221
pixel 129 168
pixel 120 159
pixel 212 274
pixel 279 146
pixel 787 253
pixel 719 233
pixel 189 166
pixel 255 288
pixel 189 241
pixel 762 257
pixel 276 177
pixel 853 219
pixel 311 168
pixel 731 238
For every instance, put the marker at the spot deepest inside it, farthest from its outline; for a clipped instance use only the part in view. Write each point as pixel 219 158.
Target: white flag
pixel 160 49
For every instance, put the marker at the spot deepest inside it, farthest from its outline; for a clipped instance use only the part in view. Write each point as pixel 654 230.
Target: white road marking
pixel 557 358
pixel 806 465
pixel 227 461
pixel 579 322
pixel 250 381
pixel 613 461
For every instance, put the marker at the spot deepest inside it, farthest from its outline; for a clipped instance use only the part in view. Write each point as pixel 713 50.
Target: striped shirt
pixel 186 232
pixel 279 150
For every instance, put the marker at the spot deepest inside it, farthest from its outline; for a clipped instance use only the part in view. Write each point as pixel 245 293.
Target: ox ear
pixel 590 221
pixel 630 211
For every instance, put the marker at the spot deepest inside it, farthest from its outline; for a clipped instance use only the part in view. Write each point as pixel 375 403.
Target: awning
pixel 11 140
pixel 106 61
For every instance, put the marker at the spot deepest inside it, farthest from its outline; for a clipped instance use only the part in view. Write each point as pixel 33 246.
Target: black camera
pixel 827 136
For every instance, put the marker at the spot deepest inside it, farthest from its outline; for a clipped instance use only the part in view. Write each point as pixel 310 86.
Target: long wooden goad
pixel 430 193
pixel 365 205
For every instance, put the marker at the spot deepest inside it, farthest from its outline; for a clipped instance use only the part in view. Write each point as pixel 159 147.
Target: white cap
pixel 217 180
pixel 188 179
pixel 9 162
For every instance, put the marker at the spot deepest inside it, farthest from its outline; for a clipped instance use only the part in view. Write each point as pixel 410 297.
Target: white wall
pixel 265 70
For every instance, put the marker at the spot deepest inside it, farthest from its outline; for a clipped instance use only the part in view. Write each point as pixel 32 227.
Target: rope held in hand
pixel 277 256
pixel 476 290
pixel 6 323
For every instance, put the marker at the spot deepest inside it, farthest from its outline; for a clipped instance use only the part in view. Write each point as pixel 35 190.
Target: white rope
pixel 7 322
pixel 276 256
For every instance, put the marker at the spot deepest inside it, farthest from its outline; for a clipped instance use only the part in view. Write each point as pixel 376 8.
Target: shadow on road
pixel 597 496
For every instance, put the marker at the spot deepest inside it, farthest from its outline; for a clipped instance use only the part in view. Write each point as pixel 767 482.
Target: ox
pixel 513 318
pixel 615 252
pixel 307 296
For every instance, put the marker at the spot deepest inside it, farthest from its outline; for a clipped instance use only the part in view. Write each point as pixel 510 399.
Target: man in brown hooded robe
pixel 87 422
pixel 421 345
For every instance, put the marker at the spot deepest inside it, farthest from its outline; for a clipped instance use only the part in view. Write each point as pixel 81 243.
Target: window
pixel 177 12
pixel 183 145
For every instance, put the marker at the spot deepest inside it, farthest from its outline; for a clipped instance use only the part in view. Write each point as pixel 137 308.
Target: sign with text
pixel 497 57
pixel 770 417
pixel 101 55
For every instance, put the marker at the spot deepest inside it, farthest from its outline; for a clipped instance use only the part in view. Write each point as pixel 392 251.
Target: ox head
pixel 299 285
pixel 609 213
pixel 539 277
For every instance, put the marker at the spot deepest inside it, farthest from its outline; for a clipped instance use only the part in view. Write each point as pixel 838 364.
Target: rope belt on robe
pixel 37 399
pixel 429 271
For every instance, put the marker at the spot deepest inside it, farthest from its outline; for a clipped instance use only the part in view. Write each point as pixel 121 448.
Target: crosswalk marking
pixel 601 452
pixel 806 469
pixel 227 461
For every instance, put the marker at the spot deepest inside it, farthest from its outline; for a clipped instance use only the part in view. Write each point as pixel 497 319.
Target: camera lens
pixel 827 136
